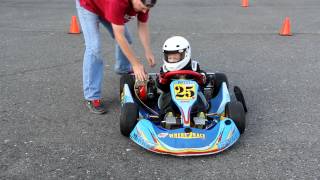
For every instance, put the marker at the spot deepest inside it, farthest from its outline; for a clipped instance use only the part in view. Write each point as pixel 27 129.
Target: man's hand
pixel 143 31
pixel 139 72
pixel 150 59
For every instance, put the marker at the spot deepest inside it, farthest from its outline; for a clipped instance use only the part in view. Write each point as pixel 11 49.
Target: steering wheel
pixel 200 78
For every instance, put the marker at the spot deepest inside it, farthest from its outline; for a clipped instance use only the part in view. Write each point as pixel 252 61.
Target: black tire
pixel 239 96
pixel 218 79
pixel 235 111
pixel 126 79
pixel 128 118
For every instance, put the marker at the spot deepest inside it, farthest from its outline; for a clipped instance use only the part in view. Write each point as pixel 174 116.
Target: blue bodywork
pixel 218 136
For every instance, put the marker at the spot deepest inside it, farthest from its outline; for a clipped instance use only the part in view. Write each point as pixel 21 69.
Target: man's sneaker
pixel 96 106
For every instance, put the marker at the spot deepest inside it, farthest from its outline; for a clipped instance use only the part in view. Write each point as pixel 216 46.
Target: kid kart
pixel 186 133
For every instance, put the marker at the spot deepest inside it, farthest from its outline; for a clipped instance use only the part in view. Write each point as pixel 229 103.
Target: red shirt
pixel 114 11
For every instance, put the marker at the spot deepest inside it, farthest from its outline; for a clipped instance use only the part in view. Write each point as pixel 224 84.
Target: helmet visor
pixel 174 56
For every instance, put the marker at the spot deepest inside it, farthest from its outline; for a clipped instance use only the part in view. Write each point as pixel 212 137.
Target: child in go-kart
pixel 177 56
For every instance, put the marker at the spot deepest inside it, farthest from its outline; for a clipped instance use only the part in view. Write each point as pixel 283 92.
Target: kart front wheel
pixel 128 118
pixel 239 96
pixel 235 111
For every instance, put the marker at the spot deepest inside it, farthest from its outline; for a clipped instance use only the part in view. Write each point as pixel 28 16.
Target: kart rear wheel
pixel 235 111
pixel 239 96
pixel 218 79
pixel 126 79
pixel 128 118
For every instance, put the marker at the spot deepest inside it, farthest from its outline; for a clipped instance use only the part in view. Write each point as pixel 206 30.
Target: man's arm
pixel 138 68
pixel 143 31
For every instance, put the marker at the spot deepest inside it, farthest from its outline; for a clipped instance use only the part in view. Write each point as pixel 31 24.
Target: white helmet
pixel 176 44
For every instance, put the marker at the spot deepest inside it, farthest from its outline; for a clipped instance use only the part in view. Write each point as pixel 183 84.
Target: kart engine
pixel 146 90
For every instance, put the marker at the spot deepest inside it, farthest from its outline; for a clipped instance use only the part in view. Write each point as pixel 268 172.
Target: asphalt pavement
pixel 47 133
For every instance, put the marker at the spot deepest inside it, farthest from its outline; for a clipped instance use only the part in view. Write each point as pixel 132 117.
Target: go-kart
pixel 185 133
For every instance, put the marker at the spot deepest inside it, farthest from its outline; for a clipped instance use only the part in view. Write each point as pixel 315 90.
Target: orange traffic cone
pixel 245 3
pixel 285 30
pixel 74 28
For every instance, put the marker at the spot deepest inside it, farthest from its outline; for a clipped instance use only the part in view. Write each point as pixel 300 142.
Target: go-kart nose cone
pixel 185 141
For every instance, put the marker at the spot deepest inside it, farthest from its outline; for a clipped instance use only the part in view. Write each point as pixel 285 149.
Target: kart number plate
pixel 184 91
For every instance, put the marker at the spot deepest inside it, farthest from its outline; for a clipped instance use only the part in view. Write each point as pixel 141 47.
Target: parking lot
pixel 47 133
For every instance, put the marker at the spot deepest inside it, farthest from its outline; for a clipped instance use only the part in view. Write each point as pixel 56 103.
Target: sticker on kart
pixel 184 92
